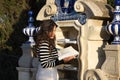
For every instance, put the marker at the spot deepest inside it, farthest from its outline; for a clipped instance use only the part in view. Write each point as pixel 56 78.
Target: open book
pixel 66 52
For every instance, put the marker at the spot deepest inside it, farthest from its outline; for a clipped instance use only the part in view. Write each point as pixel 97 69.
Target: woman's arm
pixel 46 58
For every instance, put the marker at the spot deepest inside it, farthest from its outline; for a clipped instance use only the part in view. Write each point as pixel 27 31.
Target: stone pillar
pixel 112 63
pixel 25 62
pixel 24 73
pixel 25 69
pixel 26 58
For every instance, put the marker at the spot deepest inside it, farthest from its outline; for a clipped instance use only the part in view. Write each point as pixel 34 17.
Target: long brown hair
pixel 45 28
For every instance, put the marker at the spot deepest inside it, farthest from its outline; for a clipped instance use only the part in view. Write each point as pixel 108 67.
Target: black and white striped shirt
pixel 46 57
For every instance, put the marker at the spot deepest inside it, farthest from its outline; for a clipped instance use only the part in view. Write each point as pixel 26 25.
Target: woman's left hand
pixel 67 59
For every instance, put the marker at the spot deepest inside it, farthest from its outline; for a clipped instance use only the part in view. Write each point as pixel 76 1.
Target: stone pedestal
pixel 27 56
pixel 112 63
pixel 25 62
pixel 24 73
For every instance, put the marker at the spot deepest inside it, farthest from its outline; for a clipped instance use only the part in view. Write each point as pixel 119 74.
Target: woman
pixel 47 52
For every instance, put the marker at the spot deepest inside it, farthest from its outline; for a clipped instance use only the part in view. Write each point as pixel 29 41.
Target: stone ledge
pixel 25 69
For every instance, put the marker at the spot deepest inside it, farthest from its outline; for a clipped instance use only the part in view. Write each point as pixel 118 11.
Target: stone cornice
pixel 91 8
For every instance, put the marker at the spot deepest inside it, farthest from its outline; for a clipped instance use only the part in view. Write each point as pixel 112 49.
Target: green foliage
pixel 9 15
pixel 111 2
pixel 5 31
pixel 13 18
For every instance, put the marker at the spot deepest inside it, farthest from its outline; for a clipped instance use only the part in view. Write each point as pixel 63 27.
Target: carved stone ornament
pixel 60 10
pixel 95 75
pixel 51 9
pixel 78 7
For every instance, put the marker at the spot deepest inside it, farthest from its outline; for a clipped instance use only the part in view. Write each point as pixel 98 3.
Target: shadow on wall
pixel 109 39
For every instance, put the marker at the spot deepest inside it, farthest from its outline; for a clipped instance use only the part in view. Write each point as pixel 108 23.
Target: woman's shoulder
pixel 43 42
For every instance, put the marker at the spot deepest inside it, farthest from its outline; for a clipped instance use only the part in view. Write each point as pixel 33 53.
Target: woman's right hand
pixel 67 59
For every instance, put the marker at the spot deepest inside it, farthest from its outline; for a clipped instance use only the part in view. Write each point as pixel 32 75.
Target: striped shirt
pixel 48 56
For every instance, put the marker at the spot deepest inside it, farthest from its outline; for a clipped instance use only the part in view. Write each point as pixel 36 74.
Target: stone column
pixel 112 63
pixel 25 63
pixel 25 69
pixel 24 73
pixel 26 59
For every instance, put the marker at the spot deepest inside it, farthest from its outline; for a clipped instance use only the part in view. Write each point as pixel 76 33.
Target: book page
pixel 66 52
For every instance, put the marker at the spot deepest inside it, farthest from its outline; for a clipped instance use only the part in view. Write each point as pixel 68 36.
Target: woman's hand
pixel 67 59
